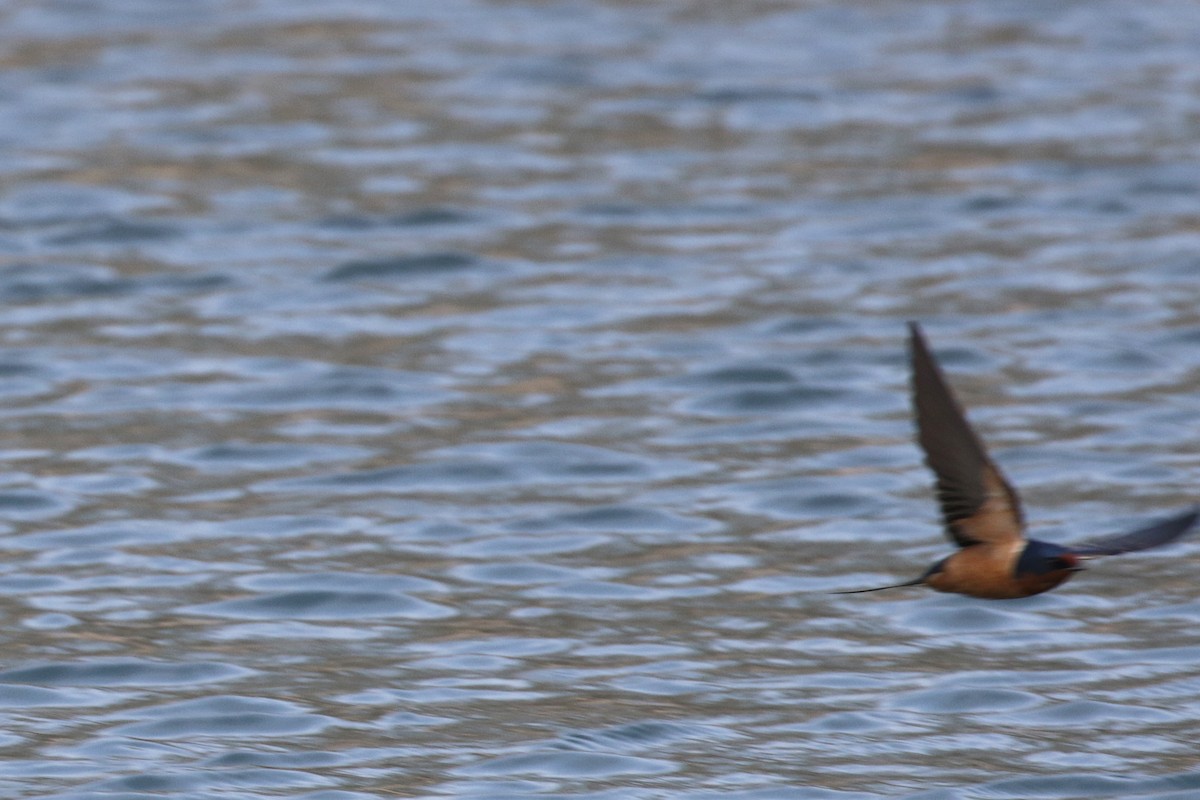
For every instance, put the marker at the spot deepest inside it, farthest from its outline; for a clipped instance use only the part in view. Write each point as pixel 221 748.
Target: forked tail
pixel 913 582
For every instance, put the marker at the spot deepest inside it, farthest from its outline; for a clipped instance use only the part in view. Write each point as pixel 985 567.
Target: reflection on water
pixel 480 399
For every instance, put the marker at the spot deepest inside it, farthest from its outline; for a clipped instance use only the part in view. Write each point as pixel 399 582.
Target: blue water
pixel 481 399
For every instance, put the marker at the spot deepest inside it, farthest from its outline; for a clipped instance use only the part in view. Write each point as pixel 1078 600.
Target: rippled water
pixel 480 399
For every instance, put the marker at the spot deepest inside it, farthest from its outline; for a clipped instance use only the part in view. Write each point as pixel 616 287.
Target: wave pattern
pixel 480 399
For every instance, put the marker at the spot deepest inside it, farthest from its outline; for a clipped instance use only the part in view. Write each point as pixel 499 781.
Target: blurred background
pixel 480 398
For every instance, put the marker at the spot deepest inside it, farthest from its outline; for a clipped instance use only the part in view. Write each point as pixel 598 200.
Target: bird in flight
pixel 982 512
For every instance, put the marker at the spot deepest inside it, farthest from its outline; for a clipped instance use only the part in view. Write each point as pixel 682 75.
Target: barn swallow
pixel 982 512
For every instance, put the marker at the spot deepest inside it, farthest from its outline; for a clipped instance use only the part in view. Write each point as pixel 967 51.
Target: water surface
pixel 480 399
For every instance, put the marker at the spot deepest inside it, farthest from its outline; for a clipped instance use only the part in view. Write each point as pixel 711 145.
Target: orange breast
pixel 985 570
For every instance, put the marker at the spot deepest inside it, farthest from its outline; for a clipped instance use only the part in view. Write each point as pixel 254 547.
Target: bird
pixel 981 511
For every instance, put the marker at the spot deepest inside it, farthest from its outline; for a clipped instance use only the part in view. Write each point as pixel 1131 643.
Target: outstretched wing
pixel 1160 533
pixel 978 504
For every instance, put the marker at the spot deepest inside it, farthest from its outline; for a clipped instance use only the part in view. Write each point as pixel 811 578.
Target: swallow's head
pixel 1071 561
pixel 1043 558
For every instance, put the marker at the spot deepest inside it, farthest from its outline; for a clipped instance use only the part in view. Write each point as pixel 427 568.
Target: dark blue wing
pixel 1159 533
pixel 978 503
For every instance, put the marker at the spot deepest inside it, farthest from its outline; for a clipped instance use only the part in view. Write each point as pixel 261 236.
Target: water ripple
pixel 476 399
pixel 554 764
pixel 429 264
pixel 122 672
pixel 326 604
